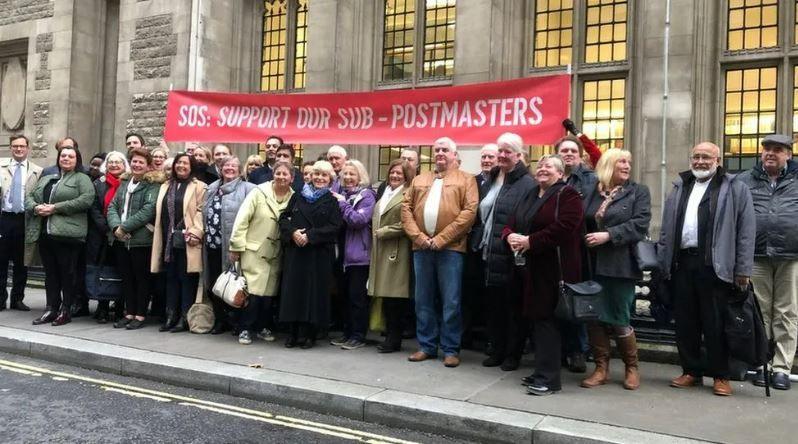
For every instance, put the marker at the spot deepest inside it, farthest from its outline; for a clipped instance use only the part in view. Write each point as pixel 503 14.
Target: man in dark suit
pixel 266 172
pixel 488 158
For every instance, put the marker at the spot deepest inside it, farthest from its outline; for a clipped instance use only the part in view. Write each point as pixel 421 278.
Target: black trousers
pixel 60 260
pixel 181 286
pixel 254 317
pixel 12 249
pixel 394 310
pixel 356 277
pixel 547 353
pixel 699 300
pixel 473 299
pixel 134 268
pixel 213 269
pixel 158 290
pixel 505 322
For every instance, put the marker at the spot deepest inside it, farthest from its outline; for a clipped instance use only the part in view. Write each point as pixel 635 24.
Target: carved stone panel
pixel 12 94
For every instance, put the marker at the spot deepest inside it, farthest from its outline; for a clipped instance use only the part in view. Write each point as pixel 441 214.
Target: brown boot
pixel 600 346
pixel 627 345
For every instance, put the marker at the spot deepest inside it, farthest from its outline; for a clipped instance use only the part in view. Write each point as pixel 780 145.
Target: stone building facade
pixel 97 69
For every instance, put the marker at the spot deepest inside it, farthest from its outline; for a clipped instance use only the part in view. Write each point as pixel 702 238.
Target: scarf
pixel 170 207
pixel 113 184
pixel 312 194
pixel 608 197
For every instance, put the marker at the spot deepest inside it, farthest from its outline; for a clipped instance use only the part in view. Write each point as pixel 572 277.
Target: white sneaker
pixel 244 338
pixel 267 335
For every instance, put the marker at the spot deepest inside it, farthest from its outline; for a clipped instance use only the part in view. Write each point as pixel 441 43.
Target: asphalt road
pixel 46 402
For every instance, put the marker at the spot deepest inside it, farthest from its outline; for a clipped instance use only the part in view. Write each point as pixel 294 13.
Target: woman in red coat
pixel 549 217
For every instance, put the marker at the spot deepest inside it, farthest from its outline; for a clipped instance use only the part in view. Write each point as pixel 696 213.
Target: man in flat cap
pixel 774 188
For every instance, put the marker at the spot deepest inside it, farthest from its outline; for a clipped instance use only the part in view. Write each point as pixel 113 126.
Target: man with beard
pixel 706 247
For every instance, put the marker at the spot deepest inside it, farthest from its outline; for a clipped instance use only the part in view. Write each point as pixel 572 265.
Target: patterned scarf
pixel 170 208
pixel 312 194
pixel 608 197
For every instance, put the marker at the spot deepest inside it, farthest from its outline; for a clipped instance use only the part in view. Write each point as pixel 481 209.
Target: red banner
pixel 470 114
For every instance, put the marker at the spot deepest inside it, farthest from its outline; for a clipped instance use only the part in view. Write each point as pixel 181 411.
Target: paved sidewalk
pixel 470 401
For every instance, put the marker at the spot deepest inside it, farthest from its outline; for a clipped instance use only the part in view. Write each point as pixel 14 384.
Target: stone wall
pixel 44 45
pixel 148 116
pixel 41 118
pixel 16 11
pixel 153 47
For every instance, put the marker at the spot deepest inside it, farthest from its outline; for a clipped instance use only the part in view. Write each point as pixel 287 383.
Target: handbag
pixel 200 315
pixel 577 302
pixel 645 253
pixel 231 287
pixel 103 282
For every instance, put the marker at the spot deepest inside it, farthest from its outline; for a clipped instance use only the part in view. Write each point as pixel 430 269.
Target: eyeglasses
pixel 706 157
pixel 114 162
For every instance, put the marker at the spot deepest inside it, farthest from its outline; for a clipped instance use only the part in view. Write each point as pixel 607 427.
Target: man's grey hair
pixel 447 142
pixel 337 149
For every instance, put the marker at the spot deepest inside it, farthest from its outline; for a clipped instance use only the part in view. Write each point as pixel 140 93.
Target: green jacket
pixel 141 209
pixel 73 197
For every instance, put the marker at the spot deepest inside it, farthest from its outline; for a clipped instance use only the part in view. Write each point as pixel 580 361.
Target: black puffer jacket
pixel 776 211
pixel 517 184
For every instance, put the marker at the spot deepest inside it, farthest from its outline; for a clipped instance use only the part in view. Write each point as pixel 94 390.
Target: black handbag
pixel 577 302
pixel 645 253
pixel 103 282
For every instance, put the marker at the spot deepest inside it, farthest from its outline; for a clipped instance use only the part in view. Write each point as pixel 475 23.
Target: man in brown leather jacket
pixel 438 211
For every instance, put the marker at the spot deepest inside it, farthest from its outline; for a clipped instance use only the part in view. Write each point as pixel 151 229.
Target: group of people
pixel 322 248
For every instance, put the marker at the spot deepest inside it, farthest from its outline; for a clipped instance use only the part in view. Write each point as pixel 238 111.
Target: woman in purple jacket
pixel 357 204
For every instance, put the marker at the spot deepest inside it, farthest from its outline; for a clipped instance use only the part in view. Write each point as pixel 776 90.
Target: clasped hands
pixel 518 242
pixel 44 210
pixel 300 237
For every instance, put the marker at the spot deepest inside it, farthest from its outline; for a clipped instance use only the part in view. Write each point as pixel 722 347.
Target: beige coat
pixel 192 215
pixel 34 174
pixel 389 274
pixel 256 235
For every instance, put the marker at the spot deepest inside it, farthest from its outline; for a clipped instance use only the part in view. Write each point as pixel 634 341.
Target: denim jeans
pixel 438 273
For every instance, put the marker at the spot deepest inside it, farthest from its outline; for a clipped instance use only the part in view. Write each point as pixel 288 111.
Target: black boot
pixel 170 321
pixel 181 326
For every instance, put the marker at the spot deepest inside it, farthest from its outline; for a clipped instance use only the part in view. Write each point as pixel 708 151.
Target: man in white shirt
pixel 706 247
pixel 18 177
pixel 438 210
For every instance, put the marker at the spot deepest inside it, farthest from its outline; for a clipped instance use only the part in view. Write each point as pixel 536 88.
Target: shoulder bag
pixel 103 282
pixel 231 287
pixel 645 253
pixel 581 301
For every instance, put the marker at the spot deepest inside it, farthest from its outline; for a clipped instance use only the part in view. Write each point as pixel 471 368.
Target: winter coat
pixel 98 236
pixel 305 286
pixel 233 195
pixel 626 219
pixel 552 225
pixel 733 230
pixel 776 209
pixel 356 212
pixel 584 181
pixel 517 184
pixel 72 198
pixel 389 274
pixel 192 217
pixel 140 222
pixel 256 235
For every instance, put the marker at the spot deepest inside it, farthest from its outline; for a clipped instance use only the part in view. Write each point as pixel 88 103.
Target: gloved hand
pixel 570 126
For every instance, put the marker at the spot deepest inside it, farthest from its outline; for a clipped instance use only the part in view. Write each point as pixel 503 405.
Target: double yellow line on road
pixel 225 409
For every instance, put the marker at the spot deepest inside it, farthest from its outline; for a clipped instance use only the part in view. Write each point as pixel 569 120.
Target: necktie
pixel 16 190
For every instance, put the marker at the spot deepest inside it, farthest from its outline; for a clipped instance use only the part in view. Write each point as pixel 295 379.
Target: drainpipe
pixel 663 164
pixel 195 33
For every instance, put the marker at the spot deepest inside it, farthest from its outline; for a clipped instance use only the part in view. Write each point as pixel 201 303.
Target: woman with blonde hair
pixel 253 163
pixel 309 229
pixel 617 216
pixel 356 203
